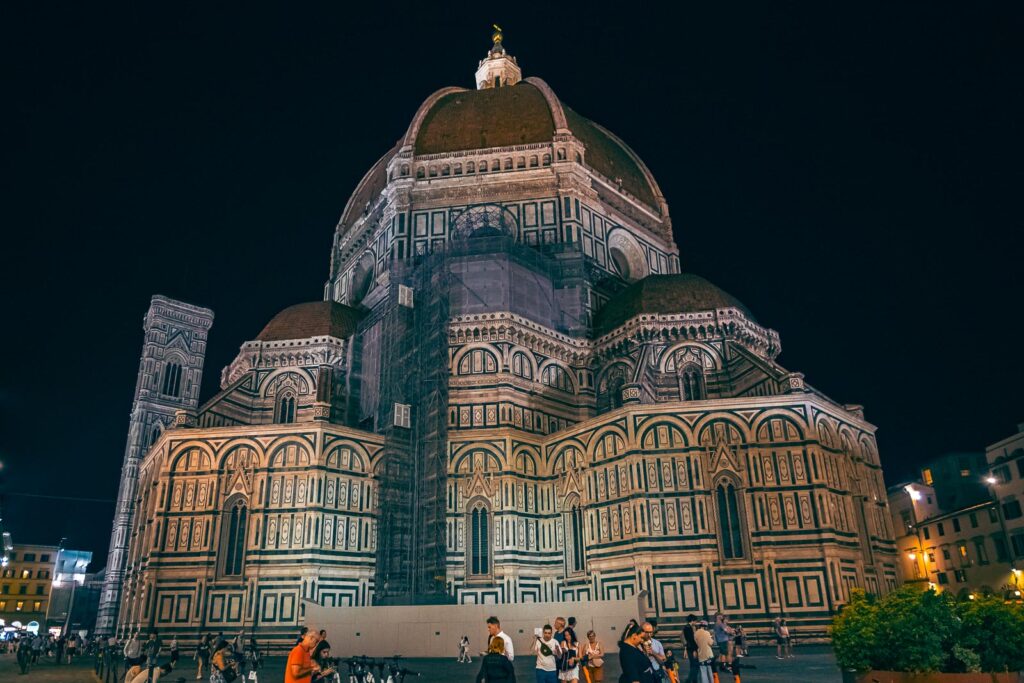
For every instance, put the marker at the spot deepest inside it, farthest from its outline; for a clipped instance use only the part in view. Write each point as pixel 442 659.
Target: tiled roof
pixel 666 294
pixel 493 117
pixel 313 319
pixel 519 115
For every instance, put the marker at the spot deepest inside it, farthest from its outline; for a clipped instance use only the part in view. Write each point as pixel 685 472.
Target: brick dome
pixel 665 294
pixel 313 319
pixel 457 120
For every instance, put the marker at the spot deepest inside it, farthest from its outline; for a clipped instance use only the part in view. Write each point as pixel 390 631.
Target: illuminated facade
pixel 508 393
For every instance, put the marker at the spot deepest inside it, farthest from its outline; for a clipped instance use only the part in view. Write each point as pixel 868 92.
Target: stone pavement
pixel 46 671
pixel 813 664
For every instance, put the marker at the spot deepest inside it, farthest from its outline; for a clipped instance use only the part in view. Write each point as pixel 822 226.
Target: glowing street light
pixel 991 481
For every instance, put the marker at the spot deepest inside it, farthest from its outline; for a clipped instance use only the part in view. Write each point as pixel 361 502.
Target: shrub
pixel 995 630
pixel 923 631
pixel 853 631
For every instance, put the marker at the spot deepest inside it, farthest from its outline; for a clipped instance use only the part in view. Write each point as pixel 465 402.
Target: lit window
pixel 25 574
pixel 18 605
pixel 3 605
pixel 965 473
pixel 926 474
pixel 37 606
pixel 962 547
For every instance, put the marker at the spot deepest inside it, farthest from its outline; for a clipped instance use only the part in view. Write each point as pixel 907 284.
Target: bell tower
pixel 170 373
pixel 498 69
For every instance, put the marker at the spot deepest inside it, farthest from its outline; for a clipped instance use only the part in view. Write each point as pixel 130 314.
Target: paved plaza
pixel 46 671
pixel 813 664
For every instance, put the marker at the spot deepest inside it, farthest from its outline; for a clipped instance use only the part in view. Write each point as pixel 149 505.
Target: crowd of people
pixel 562 657
pixel 31 648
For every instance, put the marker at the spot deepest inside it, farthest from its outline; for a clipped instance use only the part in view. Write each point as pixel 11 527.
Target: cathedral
pixel 508 392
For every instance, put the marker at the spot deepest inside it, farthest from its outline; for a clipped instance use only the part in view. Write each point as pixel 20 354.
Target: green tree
pixel 853 631
pixel 995 630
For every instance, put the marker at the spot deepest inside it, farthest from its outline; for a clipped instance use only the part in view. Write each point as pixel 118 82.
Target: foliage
pixel 853 631
pixel 995 630
pixel 923 631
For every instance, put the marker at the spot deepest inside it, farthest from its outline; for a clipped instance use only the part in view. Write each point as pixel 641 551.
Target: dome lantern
pixel 498 69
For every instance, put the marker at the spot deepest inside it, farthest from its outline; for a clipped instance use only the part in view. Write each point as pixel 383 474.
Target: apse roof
pixel 665 294
pixel 312 319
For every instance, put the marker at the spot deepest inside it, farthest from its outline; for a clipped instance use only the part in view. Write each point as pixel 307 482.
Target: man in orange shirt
pixel 300 665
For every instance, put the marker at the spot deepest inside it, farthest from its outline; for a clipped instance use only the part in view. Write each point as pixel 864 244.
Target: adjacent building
pixel 961 528
pixel 1006 480
pixel 25 584
pixel 509 392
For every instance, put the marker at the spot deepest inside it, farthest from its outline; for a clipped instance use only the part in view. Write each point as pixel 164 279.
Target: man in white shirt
pixel 494 631
pixel 654 649
pixel 547 650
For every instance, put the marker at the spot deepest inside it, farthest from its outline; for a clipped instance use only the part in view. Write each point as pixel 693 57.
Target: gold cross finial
pixel 497 36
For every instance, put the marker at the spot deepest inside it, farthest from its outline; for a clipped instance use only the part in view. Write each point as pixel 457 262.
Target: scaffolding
pixel 409 348
pixel 412 538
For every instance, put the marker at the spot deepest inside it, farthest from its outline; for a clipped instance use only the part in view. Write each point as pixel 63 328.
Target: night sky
pixel 852 175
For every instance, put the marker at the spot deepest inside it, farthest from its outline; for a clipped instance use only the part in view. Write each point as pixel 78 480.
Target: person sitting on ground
pixel 142 676
pixel 495 667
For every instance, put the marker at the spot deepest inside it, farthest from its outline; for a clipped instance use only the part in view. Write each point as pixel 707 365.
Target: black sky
pixel 853 174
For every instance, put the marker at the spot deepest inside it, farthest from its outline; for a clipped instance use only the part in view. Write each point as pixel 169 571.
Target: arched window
pixel 233 540
pixel 155 435
pixel 691 384
pixel 575 557
pixel 478 362
pixel 556 376
pixel 730 527
pixel 286 409
pixel 521 366
pixel 479 545
pixel 172 380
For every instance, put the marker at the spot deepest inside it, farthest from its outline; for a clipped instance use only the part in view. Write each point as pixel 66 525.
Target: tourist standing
pixel 494 630
pixel 568 661
pixel 132 651
pixel 636 665
pixel 690 643
pixel 723 638
pixel 152 651
pixel 654 650
pixel 24 654
pixel 547 650
pixel 593 658
pixel 300 666
pixel 705 652
pixel 223 666
pixel 322 644
pixel 202 656
pixel 783 642
pixel 495 667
